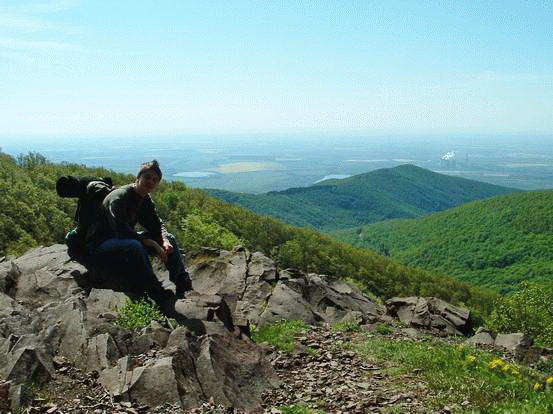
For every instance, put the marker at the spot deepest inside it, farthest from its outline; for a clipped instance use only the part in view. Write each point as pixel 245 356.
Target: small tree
pixel 201 229
pixel 529 310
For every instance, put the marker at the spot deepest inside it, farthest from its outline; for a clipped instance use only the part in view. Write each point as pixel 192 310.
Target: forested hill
pixel 31 213
pixel 495 243
pixel 405 191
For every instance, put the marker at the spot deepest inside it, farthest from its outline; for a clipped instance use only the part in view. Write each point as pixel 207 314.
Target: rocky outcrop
pixel 54 308
pixel 257 293
pixel 519 344
pixel 56 313
pixel 514 342
pixel 430 313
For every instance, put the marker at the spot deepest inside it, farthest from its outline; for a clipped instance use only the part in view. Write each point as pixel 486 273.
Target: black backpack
pixel 90 191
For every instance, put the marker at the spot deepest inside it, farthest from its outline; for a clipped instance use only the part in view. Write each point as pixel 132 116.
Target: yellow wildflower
pixel 549 381
pixel 537 386
pixel 496 363
pixel 506 368
pixel 471 358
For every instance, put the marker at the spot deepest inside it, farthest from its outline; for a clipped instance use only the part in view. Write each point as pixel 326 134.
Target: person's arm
pixel 149 219
pixel 116 207
pixel 160 251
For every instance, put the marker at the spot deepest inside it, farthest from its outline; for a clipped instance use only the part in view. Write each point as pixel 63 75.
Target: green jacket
pixel 119 213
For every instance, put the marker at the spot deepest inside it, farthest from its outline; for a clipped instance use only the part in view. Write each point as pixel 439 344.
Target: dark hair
pixel 150 166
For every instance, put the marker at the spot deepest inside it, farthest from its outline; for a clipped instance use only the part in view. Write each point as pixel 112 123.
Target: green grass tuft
pixel 456 374
pixel 345 327
pixel 280 335
pixel 138 313
pixel 298 409
pixel 383 329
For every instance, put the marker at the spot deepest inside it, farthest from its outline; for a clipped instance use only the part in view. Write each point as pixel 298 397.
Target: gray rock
pixel 142 344
pixel 9 276
pixel 106 300
pixel 208 368
pixel 101 353
pixel 25 366
pixel 156 384
pixel 179 338
pixel 482 337
pixel 117 380
pixel 46 274
pixel 430 313
pixel 257 294
pixel 412 333
pixel 289 304
pixel 352 317
pixel 159 334
pixel 62 308
pixel 65 329
pixel 514 341
pixel 221 358
pixel 8 306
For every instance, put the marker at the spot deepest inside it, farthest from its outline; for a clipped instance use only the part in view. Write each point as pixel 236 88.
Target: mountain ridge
pixel 405 191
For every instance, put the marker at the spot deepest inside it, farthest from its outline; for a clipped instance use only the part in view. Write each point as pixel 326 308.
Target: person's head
pixel 150 166
pixel 148 177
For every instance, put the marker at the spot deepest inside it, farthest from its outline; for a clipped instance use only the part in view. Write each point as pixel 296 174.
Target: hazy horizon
pixel 262 163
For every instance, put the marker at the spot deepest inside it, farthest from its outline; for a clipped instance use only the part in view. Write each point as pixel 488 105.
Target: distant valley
pixel 405 191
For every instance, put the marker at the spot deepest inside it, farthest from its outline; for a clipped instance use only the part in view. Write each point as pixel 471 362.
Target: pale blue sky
pixel 109 68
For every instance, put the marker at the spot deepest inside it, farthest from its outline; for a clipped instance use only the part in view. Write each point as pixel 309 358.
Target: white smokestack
pixel 449 156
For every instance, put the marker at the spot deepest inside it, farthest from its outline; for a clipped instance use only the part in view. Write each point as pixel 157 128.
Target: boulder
pixel 155 384
pixel 27 365
pixel 482 337
pixel 515 342
pixel 219 359
pixel 9 276
pixel 221 368
pixel 257 293
pixel 101 353
pixel 430 313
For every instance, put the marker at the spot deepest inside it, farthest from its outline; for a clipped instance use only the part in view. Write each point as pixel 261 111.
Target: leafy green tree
pixel 530 310
pixel 200 229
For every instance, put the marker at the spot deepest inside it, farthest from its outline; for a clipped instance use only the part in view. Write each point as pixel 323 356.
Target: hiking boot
pixel 182 286
pixel 173 308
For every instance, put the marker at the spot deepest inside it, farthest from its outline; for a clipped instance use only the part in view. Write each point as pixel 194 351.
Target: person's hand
pixel 160 251
pixel 167 246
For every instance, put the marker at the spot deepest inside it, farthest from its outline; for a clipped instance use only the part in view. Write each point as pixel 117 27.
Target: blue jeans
pixel 138 265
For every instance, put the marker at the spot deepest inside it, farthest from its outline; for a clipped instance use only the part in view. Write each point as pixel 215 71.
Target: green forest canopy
pixel 495 243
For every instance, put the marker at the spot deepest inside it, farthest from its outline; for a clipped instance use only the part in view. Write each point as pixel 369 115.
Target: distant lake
pixel 333 177
pixel 194 174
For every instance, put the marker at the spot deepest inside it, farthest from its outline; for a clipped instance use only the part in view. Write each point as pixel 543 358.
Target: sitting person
pixel 113 232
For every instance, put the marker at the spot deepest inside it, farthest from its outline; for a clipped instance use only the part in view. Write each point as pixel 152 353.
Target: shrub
pixel 529 310
pixel 200 229
pixel 138 313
